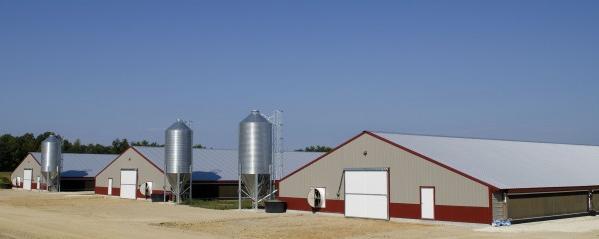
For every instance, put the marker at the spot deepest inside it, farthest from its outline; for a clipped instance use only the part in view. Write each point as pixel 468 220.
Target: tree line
pixel 315 148
pixel 13 149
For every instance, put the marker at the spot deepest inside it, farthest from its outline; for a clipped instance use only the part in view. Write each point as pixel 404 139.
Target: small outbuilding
pixel 138 172
pixel 382 175
pixel 78 171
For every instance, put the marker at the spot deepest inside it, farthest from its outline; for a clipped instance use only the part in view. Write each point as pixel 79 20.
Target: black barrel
pixel 275 206
pixel 157 197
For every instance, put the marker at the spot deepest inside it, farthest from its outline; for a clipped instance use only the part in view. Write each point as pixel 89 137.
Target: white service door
pixel 427 203
pixel 128 183
pixel 367 194
pixel 109 186
pixel 27 177
pixel 37 183
pixel 18 181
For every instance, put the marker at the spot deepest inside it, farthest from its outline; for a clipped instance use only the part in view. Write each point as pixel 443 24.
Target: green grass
pixel 5 177
pixel 220 204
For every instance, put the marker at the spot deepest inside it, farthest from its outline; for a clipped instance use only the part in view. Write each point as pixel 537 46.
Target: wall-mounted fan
pixel 146 189
pixel 317 197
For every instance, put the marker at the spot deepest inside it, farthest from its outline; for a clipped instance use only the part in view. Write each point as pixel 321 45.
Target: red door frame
pixel 434 202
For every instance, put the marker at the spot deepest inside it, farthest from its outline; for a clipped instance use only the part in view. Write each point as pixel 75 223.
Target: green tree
pixel 146 143
pixel 315 148
pixel 13 149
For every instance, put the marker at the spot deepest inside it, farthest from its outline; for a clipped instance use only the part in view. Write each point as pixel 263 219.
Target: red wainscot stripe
pixel 442 213
pixel 463 214
pixel 104 191
pixel 404 210
pixel 336 206
pixel 101 190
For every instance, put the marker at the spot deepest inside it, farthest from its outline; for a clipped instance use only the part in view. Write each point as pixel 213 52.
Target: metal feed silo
pixel 51 162
pixel 255 157
pixel 178 160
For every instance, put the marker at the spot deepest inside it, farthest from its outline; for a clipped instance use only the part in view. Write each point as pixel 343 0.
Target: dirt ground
pixel 51 215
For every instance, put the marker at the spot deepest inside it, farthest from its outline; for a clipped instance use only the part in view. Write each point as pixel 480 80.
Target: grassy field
pixel 220 204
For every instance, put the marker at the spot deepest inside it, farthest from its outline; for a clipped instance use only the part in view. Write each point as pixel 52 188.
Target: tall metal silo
pixel 255 157
pixel 52 162
pixel 178 160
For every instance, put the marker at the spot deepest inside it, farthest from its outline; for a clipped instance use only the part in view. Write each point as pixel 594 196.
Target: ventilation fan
pixel 146 187
pixel 316 197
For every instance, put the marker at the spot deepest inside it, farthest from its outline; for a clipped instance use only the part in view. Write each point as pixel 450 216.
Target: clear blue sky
pixel 98 70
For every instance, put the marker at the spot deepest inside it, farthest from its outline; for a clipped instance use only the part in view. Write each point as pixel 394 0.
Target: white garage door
pixel 367 193
pixel 27 176
pixel 128 183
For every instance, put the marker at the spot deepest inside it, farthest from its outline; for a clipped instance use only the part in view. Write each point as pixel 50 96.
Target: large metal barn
pixel 214 172
pixel 383 175
pixel 78 171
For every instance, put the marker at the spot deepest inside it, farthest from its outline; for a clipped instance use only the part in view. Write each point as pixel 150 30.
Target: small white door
pixel 37 182
pixel 27 178
pixel 128 183
pixel 367 193
pixel 427 203
pixel 18 181
pixel 109 186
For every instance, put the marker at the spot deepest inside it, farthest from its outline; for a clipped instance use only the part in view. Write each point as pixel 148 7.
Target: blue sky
pixel 98 70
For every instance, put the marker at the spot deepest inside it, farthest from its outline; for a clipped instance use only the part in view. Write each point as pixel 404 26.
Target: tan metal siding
pixel 28 162
pixel 549 204
pixel 407 173
pixel 146 172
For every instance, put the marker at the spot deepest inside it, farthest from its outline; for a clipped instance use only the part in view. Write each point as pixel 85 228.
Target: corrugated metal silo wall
pixel 527 206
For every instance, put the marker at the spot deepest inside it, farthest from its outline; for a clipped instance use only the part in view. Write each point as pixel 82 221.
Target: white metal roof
pixel 221 164
pixel 81 165
pixel 509 164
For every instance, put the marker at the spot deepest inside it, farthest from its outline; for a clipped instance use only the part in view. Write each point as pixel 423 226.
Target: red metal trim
pixel 324 155
pixel 143 156
pixel 491 191
pixel 136 181
pixel 101 190
pixel 33 156
pixel 117 157
pixel 430 159
pixel 462 214
pixel 404 210
pixel 388 192
pixel 333 205
pixel 434 202
pixel 396 145
pixel 552 189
